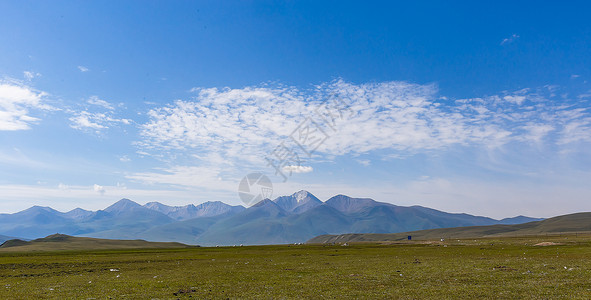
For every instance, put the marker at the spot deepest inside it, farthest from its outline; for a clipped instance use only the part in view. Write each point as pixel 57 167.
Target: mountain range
pixel 287 219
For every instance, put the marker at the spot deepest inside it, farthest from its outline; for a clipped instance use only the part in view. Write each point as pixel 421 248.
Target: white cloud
pixel 585 95
pixel 187 176
pixel 30 75
pixel 97 121
pixel 510 39
pixel 515 99
pixel 233 122
pixel 249 123
pixel 99 189
pixel 83 69
pixel 94 100
pixel 365 162
pixel 297 169
pixel 537 132
pixel 85 119
pixel 15 102
pixel 243 126
pixel 124 158
pixel 576 131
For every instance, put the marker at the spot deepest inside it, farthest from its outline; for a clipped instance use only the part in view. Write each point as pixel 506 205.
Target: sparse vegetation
pixel 475 268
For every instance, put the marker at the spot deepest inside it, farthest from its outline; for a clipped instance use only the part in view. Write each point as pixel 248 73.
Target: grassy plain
pixel 477 268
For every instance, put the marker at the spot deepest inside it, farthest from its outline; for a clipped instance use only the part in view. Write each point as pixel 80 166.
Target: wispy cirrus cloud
pixel 95 100
pixel 510 39
pixel 96 120
pixel 209 177
pixel 30 75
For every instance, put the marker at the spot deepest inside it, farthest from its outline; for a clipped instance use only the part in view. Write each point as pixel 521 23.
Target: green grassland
pixel 476 268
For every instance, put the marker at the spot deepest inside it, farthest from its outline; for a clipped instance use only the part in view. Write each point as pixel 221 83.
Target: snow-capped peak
pixel 301 195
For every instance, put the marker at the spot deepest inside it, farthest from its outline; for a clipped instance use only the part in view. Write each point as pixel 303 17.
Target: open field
pixel 492 268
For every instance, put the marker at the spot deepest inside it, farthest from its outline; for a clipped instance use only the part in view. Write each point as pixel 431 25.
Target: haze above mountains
pixel 287 219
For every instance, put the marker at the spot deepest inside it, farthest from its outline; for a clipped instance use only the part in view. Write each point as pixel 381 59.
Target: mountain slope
pixel 346 204
pixel 124 219
pixel 580 222
pixel 78 214
pixel 186 232
pixel 258 224
pixel 368 215
pixel 36 221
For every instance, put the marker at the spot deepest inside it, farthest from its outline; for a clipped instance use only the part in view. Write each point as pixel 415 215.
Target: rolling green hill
pixel 57 242
pixel 579 222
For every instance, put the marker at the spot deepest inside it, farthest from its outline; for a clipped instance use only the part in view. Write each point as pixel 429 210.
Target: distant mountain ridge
pixel 187 212
pixel 287 219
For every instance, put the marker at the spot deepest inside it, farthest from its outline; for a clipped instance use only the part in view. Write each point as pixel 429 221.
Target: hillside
pixel 579 222
pixel 57 242
pixel 4 238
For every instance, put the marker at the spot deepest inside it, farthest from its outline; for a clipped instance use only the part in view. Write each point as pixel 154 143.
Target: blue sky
pixel 463 107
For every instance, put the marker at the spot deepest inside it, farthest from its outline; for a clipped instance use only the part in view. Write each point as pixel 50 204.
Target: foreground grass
pixel 508 268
